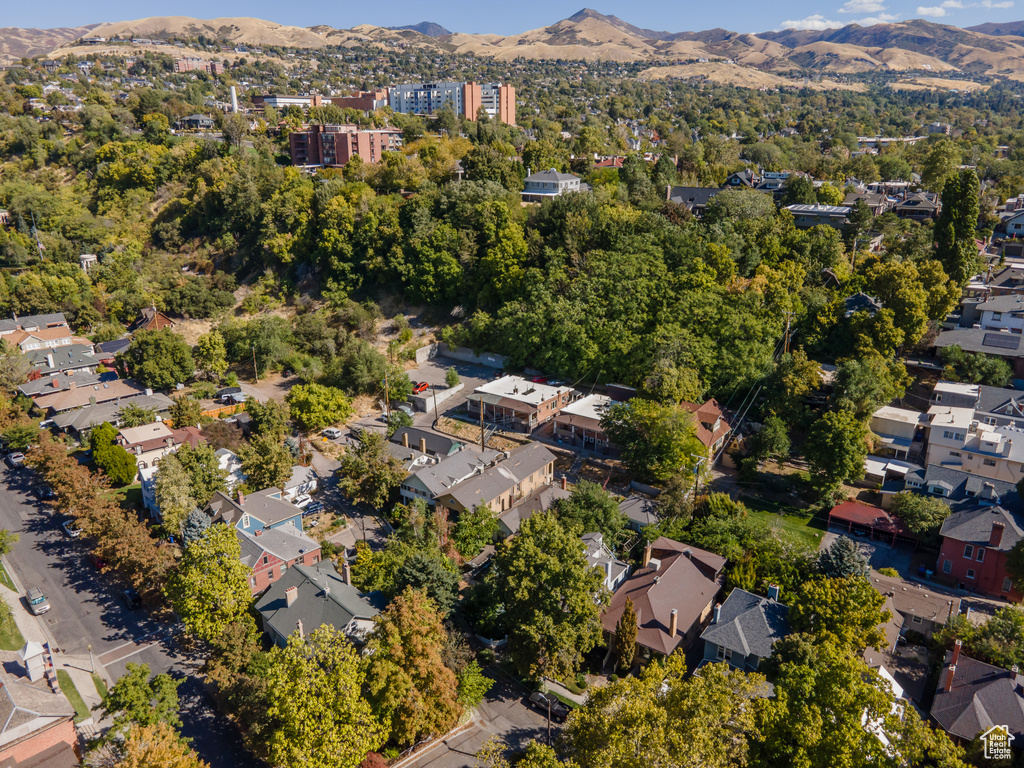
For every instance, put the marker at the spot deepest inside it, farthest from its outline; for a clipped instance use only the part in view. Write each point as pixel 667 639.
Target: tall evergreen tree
pixel 957 226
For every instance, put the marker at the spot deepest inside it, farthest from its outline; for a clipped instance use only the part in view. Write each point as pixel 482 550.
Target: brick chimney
pixel 56 382
pixel 405 439
pixel 290 596
pixel 956 652
pixel 346 573
pixel 647 555
pixel 996 535
pixel 673 622
pixel 949 678
pixel 241 499
pixel 565 482
pixel 423 445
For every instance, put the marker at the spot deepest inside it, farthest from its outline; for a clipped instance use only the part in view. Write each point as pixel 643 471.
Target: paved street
pixel 503 715
pixel 87 610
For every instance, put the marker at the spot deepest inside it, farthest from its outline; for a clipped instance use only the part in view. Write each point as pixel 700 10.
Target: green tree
pixel 866 383
pixel 7 540
pixel 921 514
pixel 316 712
pixel 593 510
pixel 210 355
pixel 664 717
pixel 368 471
pixel 957 227
pixel 266 463
pixel 827 194
pixel 195 525
pixel 140 700
pixel 847 611
pixel 451 377
pixel 118 465
pixel 173 494
pixel 269 418
pixel 843 559
pixel 552 598
pixel 430 572
pixel 974 368
pixel 474 530
pixel 133 415
pixel 210 587
pixel 157 744
pixel 655 440
pixel 625 636
pixel 186 412
pixel 409 685
pixel 798 190
pixel 316 406
pixel 14 366
pixel 473 685
pixel 772 442
pixel 157 359
pixel 795 378
pixel 836 447
pixel 940 165
pixel 1015 564
pixel 203 469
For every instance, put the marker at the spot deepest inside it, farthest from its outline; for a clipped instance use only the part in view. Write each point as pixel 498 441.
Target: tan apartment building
pixel 517 404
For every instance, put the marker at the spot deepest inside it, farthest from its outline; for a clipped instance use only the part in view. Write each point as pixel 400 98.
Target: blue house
pixel 255 512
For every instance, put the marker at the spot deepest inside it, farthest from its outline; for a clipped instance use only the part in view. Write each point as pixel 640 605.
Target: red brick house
pixel 272 551
pixel 36 720
pixel 975 543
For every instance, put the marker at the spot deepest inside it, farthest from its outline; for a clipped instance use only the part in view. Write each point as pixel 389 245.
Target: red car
pixel 419 386
pixel 539 379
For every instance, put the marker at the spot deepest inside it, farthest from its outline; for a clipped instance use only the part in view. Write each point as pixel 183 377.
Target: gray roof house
pixel 641 511
pixel 551 183
pixel 972 697
pixel 308 597
pixel 255 511
pixel 431 481
pixel 540 500
pixel 84 419
pixel 303 480
pixel 73 357
pixel 427 442
pixel 694 198
pixel 52 384
pixel 744 629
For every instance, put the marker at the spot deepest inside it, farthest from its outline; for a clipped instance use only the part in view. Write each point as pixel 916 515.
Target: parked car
pixel 71 529
pixel 539 379
pixel 234 398
pixel 37 602
pixel 419 386
pixel 313 508
pixel 539 701
pixel 332 433
pixel 16 460
pixel 97 562
pixel 407 410
pixel 302 500
pixel 131 599
pixel 44 492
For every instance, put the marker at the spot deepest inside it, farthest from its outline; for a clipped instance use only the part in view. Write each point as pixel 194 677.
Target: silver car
pixel 37 602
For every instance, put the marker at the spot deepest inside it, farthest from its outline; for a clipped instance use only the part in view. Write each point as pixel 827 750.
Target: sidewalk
pixel 561 690
pixel 79 668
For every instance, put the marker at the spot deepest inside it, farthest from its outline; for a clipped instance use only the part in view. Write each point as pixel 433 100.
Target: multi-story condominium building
pixel 335 145
pixel 498 100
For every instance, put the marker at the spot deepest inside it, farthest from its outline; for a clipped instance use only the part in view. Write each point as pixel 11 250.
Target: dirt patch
pixel 499 441
pixel 191 330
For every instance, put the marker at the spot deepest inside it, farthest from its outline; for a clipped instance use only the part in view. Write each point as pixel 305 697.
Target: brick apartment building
pixel 365 101
pixel 975 545
pixel 497 99
pixel 191 64
pixel 335 145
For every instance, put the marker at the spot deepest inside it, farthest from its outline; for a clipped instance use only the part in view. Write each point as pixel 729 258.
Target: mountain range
pixel 985 51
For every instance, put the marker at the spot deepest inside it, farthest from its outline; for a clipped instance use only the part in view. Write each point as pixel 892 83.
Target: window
pixel 989 420
pixel 916 619
pixel 955 454
pixel 970 573
pixel 968 551
pixel 980 557
pixel 989 462
pixel 266 559
pixel 947 566
pixel 245 521
pixel 721 653
pixel 1007 584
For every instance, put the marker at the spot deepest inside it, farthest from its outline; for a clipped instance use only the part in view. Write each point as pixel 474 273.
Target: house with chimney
pixel 151 442
pixel 254 512
pixel 976 541
pixel 311 596
pixel 428 443
pixel 916 607
pixel 744 629
pixel 541 500
pixel 150 319
pixel 48 361
pixel 710 424
pixel 503 484
pixel 37 725
pixel 270 552
pixel 673 594
pixel 80 422
pixel 434 476
pixel 60 400
pixel 971 697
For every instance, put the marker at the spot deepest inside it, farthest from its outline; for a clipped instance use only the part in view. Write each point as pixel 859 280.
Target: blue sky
pixel 509 18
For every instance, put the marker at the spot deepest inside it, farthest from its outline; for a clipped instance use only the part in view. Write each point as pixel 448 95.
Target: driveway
pixel 502 715
pixel 86 610
pixel 879 554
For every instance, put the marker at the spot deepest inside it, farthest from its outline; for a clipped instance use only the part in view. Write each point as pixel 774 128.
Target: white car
pixel 332 433
pixel 71 529
pixel 302 500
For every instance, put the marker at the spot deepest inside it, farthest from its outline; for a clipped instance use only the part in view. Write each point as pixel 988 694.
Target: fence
pixel 230 410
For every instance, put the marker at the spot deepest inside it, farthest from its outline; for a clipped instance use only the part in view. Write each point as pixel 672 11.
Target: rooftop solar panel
pixel 1001 340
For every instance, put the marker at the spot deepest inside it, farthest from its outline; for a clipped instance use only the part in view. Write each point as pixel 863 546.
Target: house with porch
pixel 579 424
pixel 744 629
pixel 151 442
pixel 673 594
pixel 270 552
pixel 517 404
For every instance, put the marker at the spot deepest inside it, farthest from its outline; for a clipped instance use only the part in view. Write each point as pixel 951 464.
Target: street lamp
pixel 92 661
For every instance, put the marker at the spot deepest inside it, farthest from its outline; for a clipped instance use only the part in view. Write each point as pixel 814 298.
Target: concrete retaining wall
pixel 466 355
pixel 425 402
pixel 428 352
pixel 650 490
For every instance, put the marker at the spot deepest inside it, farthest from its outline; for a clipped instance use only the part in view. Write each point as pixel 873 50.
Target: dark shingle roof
pixel 982 340
pixel 963 486
pixel 749 624
pixel 974 526
pixel 438 445
pixel 692 197
pixel 259 505
pixel 640 509
pixel 981 696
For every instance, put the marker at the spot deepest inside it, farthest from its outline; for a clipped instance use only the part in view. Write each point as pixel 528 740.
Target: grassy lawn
pixel 66 685
pixel 101 687
pixel 800 525
pixel 129 497
pixel 10 635
pixel 5 579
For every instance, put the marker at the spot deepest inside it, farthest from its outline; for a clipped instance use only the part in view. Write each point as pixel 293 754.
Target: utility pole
pixel 482 441
pixel 255 368
pixel 433 391
pixel 548 696
pixel 785 339
pixel 387 402
pixel 696 471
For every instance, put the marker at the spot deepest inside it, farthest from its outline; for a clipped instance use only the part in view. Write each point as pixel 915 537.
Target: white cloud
pixel 990 4
pixel 938 10
pixel 816 22
pixel 882 18
pixel 862 6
